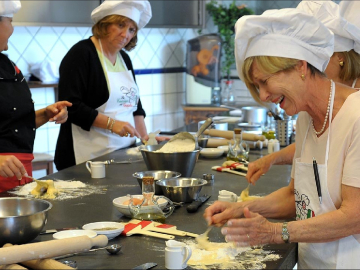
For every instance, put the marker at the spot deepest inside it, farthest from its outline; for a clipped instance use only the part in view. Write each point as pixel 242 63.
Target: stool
pixel 43 161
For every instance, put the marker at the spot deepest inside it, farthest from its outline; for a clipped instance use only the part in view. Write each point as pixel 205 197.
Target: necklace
pixel 327 113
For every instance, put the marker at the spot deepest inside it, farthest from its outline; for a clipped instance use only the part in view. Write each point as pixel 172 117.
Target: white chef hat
pixel 9 7
pixel 137 10
pixel 349 10
pixel 288 33
pixel 347 35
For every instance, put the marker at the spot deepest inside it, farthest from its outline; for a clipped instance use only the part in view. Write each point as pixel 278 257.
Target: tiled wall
pixel 162 94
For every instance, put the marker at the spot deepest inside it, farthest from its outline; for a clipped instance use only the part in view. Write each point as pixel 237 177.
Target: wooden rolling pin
pixel 230 135
pixel 213 143
pixel 49 249
pixel 41 263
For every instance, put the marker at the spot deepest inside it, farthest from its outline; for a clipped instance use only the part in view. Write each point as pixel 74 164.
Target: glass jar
pixel 149 208
pixel 227 95
pixel 216 96
pixel 239 151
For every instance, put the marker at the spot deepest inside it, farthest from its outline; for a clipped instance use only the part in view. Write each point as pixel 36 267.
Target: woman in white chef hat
pixel 97 76
pixel 344 67
pixel 281 56
pixel 19 120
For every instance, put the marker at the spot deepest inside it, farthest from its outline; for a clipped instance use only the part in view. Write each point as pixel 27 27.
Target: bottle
pixel 227 95
pixel 215 96
pixel 149 208
pixel 240 150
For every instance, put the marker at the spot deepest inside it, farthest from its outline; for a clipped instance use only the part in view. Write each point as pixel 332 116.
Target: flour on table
pixel 67 189
pixel 228 256
pixel 134 151
pixel 186 145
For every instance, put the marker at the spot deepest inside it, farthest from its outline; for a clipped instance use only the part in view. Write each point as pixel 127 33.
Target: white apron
pixel 122 102
pixel 340 254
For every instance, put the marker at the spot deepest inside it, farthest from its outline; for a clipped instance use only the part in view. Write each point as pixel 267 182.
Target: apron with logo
pixel 122 102
pixel 340 254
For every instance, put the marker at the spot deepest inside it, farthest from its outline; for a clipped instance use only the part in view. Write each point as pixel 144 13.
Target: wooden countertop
pixel 139 249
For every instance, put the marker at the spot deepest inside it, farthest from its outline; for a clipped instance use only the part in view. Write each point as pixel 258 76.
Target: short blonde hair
pixel 351 68
pixel 269 65
pixel 99 29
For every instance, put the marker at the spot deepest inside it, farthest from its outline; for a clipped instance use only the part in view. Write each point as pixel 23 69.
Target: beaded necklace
pixel 327 113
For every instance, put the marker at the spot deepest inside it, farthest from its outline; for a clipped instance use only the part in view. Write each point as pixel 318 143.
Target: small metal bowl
pixel 22 219
pixel 181 189
pixel 158 175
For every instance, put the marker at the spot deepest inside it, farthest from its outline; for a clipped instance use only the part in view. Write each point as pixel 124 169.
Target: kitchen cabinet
pixel 55 13
pixel 174 14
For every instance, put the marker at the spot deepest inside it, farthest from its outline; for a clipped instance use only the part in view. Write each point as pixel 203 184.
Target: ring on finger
pixel 248 236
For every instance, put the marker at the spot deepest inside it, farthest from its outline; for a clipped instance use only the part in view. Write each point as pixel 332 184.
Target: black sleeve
pixel 82 82
pixel 140 110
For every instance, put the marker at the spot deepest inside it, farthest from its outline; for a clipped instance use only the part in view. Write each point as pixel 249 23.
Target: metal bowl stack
pixel 181 189
pixel 22 219
pixel 158 175
pixel 182 162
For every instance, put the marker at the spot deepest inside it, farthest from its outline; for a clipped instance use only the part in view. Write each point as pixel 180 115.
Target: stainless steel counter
pixel 139 249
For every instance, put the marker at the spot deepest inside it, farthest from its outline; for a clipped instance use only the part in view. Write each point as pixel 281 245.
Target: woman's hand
pixel 220 212
pixel 10 166
pixel 125 129
pixel 57 112
pixel 253 230
pixel 258 168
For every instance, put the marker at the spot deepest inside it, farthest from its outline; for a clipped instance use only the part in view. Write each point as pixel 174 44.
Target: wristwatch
pixel 285 233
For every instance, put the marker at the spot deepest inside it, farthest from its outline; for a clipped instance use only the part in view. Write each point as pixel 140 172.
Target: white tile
pixel 59 30
pixel 20 38
pixel 158 104
pixel 147 103
pixel 159 122
pixel 144 83
pixel 171 122
pixel 137 63
pixel 33 30
pixel 50 95
pixel 146 53
pixel 58 52
pixel 12 53
pixel 180 53
pixel 158 83
pixel 181 100
pixel 180 80
pixel 39 96
pixel 171 103
pixel 84 31
pixel 155 62
pixel 173 62
pixel 170 82
pixel 53 134
pixel 149 123
pixel 70 36
pixel 164 53
pixel 180 119
pixel 46 38
pixel 39 173
pixel 41 141
pixel 155 38
pixel 34 53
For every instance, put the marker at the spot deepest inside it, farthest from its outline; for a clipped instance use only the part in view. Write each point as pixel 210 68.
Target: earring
pixel 341 63
pixel 302 76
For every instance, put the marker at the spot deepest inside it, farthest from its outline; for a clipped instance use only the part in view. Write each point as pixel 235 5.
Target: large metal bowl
pixel 181 189
pixel 158 175
pixel 22 219
pixel 182 162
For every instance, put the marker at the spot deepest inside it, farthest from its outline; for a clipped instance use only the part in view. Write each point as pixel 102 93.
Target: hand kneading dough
pixel 44 189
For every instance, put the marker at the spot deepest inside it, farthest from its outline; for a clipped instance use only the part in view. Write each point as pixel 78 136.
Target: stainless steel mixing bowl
pixel 181 189
pixel 182 162
pixel 158 175
pixel 22 219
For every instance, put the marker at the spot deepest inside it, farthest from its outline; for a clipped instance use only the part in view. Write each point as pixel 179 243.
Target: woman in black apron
pixel 19 120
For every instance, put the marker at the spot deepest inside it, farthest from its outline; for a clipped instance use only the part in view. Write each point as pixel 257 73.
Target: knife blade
pixel 145 266
pixel 194 206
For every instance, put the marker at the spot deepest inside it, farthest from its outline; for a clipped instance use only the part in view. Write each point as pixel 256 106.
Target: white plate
pixel 99 227
pixel 211 152
pixel 74 233
pixel 124 209
pixel 225 148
